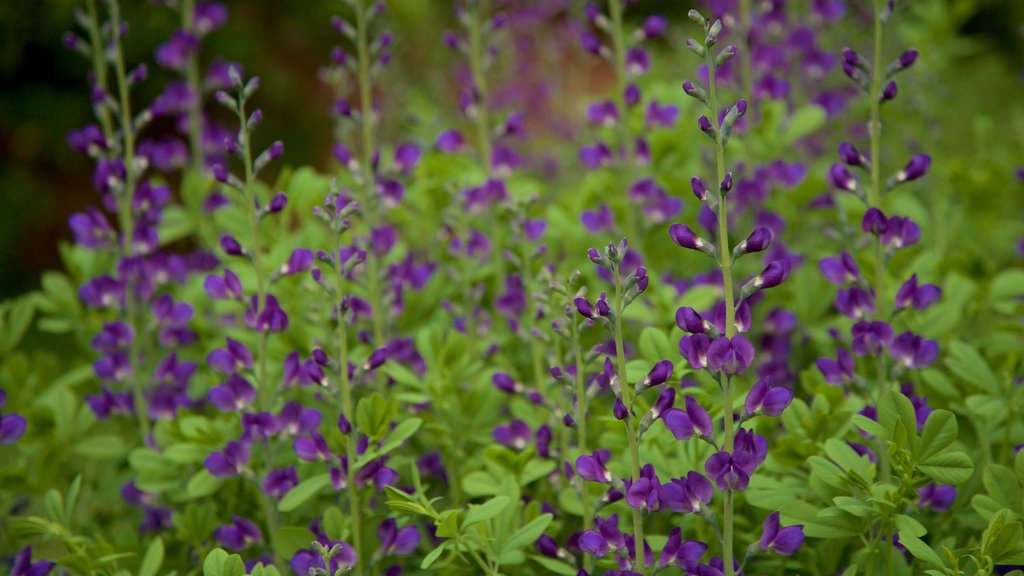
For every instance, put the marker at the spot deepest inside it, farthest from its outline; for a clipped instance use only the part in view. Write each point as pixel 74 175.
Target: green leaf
pixel 433 556
pixel 186 453
pixel 527 534
pixel 971 367
pixel 479 483
pixel 655 345
pixel 153 559
pixel 1003 486
pixel 291 539
pixel 334 523
pixel 553 566
pixel 202 483
pixel 101 446
pixel 855 506
pixel 870 426
pixel 305 490
pixel 920 550
pixel 907 524
pixel 803 122
pixel 400 434
pixel 948 467
pixel 485 511
pixel 826 523
pixel 895 406
pixel 940 430
pixel 213 562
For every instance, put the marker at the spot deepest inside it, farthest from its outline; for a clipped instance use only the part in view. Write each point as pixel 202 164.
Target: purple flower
pixel 312 449
pixel 730 355
pixel 607 537
pixel 277 482
pixel 874 221
pixel 731 471
pixel 591 467
pixel 233 395
pixel 103 405
pixel 690 321
pixel 686 495
pixel 603 114
pixel 774 274
pixel 752 443
pixel 782 541
pixel 684 236
pixel 92 230
pixel 209 16
pixel 516 435
pixel 764 398
pixel 841 178
pixel 239 534
pixel 900 232
pixel 450 141
pixel 174 53
pixel 300 261
pixel 661 116
pixel 599 220
pixel 230 360
pixel 870 338
pixel 595 156
pixel 661 372
pixel 916 168
pixel 837 372
pixel 840 270
pixel 23 565
pixel 686 554
pixel 665 401
pixel 851 156
pixel 654 26
pixel 271 319
pixel 938 497
pixel 12 426
pixel 231 462
pixel 684 424
pixel 397 542
pixel 227 288
pixel 642 493
pixel 758 240
pixel 855 302
pixel 913 351
pixel 307 561
pixel 920 297
pixel 695 349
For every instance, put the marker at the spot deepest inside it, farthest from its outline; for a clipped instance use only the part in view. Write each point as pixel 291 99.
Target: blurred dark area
pixel 44 91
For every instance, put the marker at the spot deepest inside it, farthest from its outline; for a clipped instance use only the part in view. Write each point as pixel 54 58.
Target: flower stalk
pixel 627 399
pixel 370 208
pixel 124 210
pixel 725 264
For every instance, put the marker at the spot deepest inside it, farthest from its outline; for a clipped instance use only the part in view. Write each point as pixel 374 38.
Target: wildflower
pixel 684 424
pixel 782 541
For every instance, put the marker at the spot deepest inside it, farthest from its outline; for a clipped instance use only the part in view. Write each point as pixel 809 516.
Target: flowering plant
pixel 391 357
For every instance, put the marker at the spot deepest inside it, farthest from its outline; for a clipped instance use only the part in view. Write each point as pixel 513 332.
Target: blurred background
pixel 973 51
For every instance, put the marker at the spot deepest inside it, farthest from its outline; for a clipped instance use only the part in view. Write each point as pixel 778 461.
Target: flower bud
pixel 699 190
pixel 841 178
pixel 758 241
pixel 230 246
pixel 889 92
pixel 851 156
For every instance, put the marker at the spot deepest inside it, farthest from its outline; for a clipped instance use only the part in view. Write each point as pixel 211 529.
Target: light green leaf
pixel 527 534
pixel 153 559
pixel 305 490
pixel 948 467
pixel 485 511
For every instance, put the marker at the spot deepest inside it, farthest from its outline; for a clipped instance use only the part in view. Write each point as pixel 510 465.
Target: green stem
pixel 369 207
pixel 195 125
pixel 348 406
pixel 625 130
pixel 725 257
pixel 99 65
pixel 263 384
pixel 126 218
pixel 875 201
pixel 747 70
pixel 627 399
pixel 581 425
